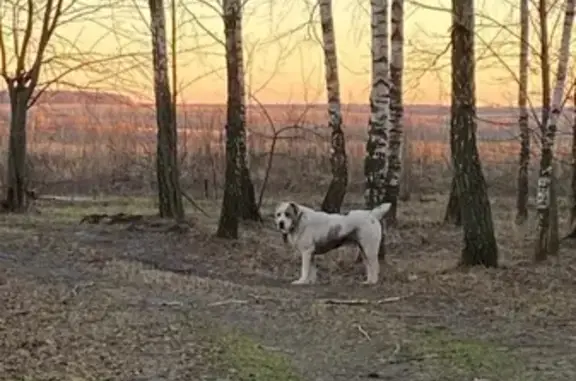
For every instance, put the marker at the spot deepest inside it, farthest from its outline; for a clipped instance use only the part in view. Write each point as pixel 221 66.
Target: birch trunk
pixel 479 242
pixel 545 244
pixel 544 63
pixel 375 164
pixel 396 108
pixel 339 163
pixel 248 206
pixel 524 162
pixel 235 123
pixel 552 238
pixel 167 167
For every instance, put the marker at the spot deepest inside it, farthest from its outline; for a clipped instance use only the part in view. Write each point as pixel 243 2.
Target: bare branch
pixel 21 55
pixel 82 65
pixel 3 63
pixel 202 26
pixel 15 30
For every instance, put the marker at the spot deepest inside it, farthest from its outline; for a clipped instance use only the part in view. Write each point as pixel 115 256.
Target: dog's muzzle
pixel 281 225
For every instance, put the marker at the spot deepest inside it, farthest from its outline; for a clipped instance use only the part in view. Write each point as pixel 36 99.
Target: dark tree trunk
pixel 17 179
pixel 406 173
pixel 523 190
pixel 249 206
pixel 573 183
pixel 229 215
pixel 554 223
pixel 27 59
pixel 338 160
pixel 479 242
pixel 522 186
pixel 167 168
pixel 453 215
pixel 235 120
pixel 337 188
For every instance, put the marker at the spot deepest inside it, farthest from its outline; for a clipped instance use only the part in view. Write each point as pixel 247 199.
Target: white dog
pixel 313 232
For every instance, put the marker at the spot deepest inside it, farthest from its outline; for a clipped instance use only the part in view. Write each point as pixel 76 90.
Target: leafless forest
pixel 137 239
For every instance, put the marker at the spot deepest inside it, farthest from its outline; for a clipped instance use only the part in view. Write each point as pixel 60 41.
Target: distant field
pixel 87 148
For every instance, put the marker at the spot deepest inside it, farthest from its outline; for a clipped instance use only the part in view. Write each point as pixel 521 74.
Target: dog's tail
pixel 380 211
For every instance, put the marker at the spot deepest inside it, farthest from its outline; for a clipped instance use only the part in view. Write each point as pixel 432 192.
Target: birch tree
pixel 235 122
pixel 524 162
pixel 338 160
pixel 375 163
pixel 545 244
pixel 479 242
pixel 248 208
pixel 396 108
pixel 167 168
pixel 544 10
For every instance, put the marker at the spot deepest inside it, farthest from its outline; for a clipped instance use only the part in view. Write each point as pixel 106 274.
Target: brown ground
pixel 99 302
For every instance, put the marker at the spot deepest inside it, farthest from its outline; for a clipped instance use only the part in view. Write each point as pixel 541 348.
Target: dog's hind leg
pixel 369 250
pixel 372 267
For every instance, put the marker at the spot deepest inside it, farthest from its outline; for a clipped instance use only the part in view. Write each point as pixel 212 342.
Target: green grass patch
pixel 252 362
pixel 457 358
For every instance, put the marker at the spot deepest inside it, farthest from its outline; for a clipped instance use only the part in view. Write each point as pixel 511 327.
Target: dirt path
pixel 98 303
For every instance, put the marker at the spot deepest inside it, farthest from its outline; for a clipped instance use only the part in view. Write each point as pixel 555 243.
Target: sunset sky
pixel 283 58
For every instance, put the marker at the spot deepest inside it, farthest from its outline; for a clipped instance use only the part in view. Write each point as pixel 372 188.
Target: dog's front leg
pixel 308 269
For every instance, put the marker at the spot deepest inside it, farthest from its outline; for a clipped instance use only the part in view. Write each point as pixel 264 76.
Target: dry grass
pixel 102 332
pixel 96 149
pixel 104 302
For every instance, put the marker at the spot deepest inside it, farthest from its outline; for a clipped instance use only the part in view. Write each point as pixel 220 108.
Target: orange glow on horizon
pixel 283 58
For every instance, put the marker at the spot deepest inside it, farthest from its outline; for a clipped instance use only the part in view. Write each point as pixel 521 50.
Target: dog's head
pixel 286 216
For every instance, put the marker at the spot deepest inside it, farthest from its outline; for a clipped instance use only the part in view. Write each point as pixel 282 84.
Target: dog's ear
pixel 294 210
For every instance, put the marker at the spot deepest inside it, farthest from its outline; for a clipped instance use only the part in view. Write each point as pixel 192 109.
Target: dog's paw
pixel 301 281
pixel 369 282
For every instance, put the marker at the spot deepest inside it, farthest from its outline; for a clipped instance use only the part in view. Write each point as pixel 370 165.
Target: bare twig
pixel 360 302
pixel 226 302
pixel 275 137
pixel 194 203
pixel 362 331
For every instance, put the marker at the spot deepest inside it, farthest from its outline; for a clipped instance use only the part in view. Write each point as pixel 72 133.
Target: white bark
pixel 377 146
pixel 547 242
pixel 546 169
pixel 396 106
